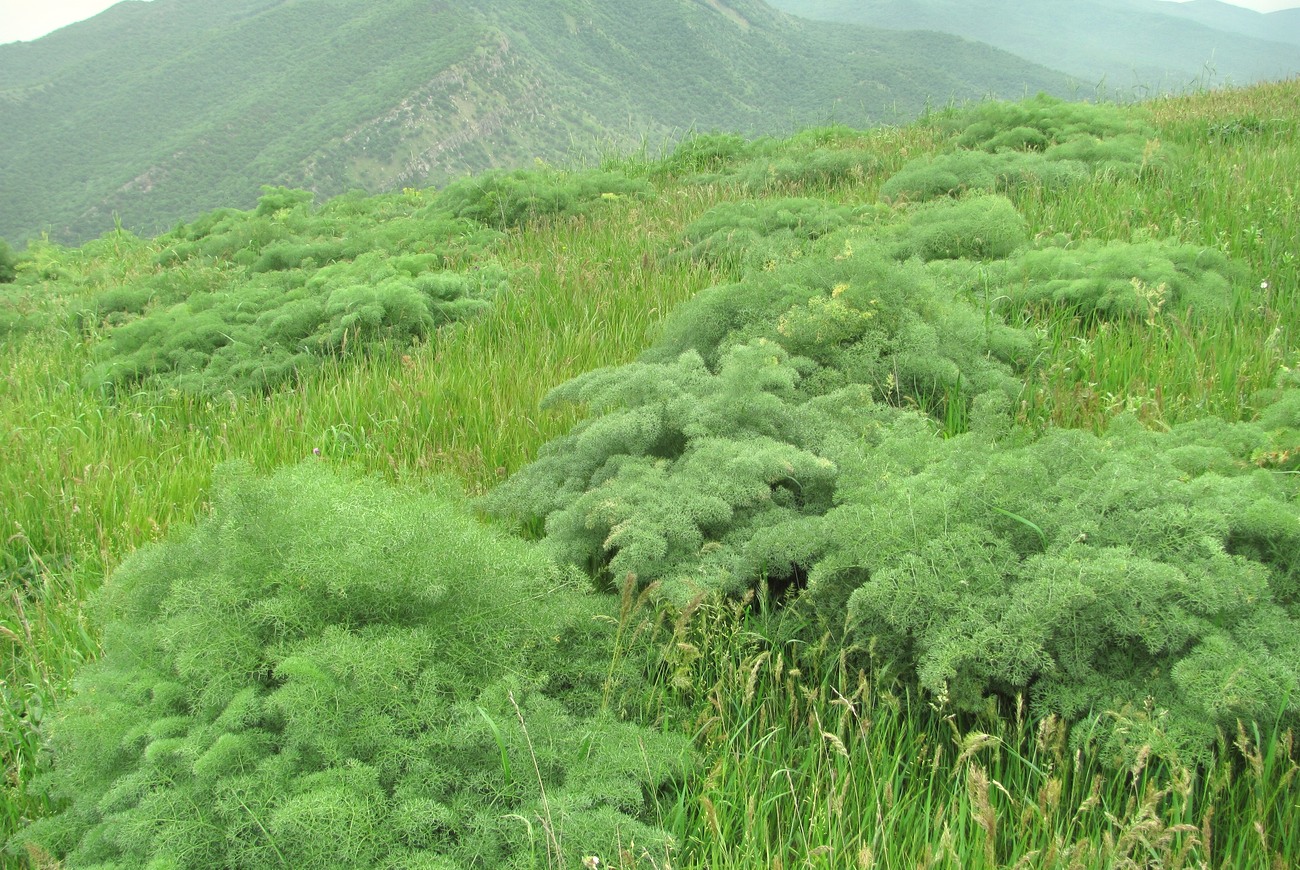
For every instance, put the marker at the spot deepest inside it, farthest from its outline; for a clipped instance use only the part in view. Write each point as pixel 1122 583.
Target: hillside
pixel 1280 26
pixel 949 474
pixel 155 112
pixel 1128 47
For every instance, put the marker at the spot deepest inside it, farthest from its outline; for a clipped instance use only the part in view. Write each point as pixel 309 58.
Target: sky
pixel 29 19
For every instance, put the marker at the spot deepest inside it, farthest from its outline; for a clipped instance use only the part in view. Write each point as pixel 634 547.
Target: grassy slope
pixel 335 95
pixel 1122 44
pixel 85 481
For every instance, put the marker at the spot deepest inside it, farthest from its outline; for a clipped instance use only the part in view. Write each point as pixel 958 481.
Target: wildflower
pixel 315 451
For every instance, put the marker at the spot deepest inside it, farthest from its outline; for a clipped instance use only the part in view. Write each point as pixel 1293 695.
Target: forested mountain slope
pixel 155 112
pixel 1280 26
pixel 1126 46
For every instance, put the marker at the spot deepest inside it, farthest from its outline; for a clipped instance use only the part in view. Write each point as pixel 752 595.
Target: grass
pixel 823 761
pixel 804 761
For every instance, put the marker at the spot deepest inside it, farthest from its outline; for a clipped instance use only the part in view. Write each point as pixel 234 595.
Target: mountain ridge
pixel 334 94
pixel 1149 46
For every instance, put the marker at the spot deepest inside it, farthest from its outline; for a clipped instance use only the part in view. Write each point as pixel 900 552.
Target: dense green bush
pixel 1118 279
pixel 276 326
pixel 821 168
pixel 694 479
pixel 763 233
pixel 974 228
pixel 1092 573
pixel 939 175
pixel 504 199
pixel 8 263
pixel 1042 142
pixel 856 316
pixel 703 462
pixel 331 673
pixel 708 153
pixel 252 300
pixel 1038 123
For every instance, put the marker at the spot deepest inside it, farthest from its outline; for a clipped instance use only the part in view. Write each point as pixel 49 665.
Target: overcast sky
pixel 28 19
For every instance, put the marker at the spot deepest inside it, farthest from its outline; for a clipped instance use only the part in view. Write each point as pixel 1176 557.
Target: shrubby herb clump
pixel 504 199
pixel 810 162
pixel 1043 141
pixel 819 168
pixel 1038 123
pixel 328 672
pixel 1114 279
pixel 1123 572
pixel 764 233
pixel 703 462
pixel 696 479
pixel 771 439
pixel 708 153
pixel 251 301
pixel 270 329
pixel 973 228
pixel 930 177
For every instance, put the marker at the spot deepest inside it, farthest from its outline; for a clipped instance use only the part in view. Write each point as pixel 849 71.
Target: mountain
pixel 1142 46
pixel 1280 26
pixel 154 112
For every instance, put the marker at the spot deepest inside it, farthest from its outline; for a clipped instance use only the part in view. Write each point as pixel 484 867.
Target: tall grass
pixel 1232 185
pixel 817 760
pixel 804 762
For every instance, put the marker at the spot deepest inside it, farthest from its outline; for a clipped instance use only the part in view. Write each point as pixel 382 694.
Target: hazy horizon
pixel 25 20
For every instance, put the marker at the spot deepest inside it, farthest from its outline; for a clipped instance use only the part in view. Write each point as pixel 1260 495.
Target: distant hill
pixel 1128 47
pixel 158 111
pixel 1280 26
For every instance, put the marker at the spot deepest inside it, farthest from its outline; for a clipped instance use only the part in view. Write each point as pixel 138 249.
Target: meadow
pixel 807 749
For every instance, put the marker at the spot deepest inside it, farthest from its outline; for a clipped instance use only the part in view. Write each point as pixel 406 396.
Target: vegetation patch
pixel 1043 142
pixel 333 673
pixel 252 301
pixel 763 233
pixel 509 199
pixel 1114 280
pixel 1091 573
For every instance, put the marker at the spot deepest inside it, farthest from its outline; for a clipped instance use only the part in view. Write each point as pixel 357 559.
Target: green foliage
pixel 270 330
pixel 1113 280
pixel 699 480
pixel 1089 572
pixel 1042 142
pixel 328 672
pixel 707 153
pixel 705 461
pixel 854 316
pixel 8 263
pixel 510 199
pixel 758 234
pixel 821 168
pixel 278 199
pixel 1038 123
pixel 251 301
pixel 933 176
pixel 974 228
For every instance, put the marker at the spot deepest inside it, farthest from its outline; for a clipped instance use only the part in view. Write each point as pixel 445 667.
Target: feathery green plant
pixel 1043 143
pixel 1089 573
pixel 329 672
pixel 762 234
